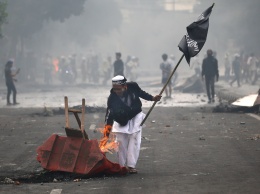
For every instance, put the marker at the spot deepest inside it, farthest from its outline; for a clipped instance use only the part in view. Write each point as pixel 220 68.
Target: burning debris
pixel 76 153
pixel 107 144
pixel 8 181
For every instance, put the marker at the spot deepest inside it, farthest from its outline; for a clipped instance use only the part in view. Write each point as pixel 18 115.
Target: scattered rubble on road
pixel 48 112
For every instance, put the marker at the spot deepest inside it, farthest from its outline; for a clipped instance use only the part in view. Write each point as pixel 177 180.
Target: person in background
pixel 83 69
pixel 227 67
pixel 127 70
pixel 118 65
pixel 176 75
pixel 196 65
pixel 9 80
pixel 236 70
pixel 124 116
pixel 73 64
pixel 132 66
pixel 106 70
pixel 210 72
pixel 166 68
pixel 252 62
pixel 257 71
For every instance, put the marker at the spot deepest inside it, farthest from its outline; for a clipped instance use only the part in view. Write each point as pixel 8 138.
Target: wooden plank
pixel 66 111
pixel 75 110
pixel 77 118
pixel 83 119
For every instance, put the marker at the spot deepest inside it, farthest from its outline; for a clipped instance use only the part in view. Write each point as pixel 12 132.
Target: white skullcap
pixel 119 80
pixel 236 55
pixel 11 60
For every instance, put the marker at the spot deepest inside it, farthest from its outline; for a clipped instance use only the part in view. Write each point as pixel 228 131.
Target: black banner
pixel 196 36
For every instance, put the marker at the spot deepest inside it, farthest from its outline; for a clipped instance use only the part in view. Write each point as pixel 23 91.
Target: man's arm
pixel 148 96
pixel 141 93
pixel 14 74
pixel 109 113
pixel 157 98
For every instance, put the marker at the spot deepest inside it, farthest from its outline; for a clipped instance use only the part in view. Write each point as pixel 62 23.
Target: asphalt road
pixel 184 150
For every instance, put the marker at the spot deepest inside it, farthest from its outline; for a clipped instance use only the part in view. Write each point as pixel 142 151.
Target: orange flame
pixel 107 144
pixel 55 62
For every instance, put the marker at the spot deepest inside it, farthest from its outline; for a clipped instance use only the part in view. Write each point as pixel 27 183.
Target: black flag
pixel 196 36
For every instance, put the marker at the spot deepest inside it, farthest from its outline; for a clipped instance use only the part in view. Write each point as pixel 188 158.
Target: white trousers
pixel 128 148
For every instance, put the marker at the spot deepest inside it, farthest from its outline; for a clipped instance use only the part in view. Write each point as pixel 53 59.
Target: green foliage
pixel 3 15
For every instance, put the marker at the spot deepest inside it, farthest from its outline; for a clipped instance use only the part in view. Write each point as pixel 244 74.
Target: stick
pixel 82 119
pixel 162 90
pixel 66 111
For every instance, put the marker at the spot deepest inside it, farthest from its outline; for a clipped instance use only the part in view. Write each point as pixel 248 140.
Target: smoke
pixel 141 32
pixel 142 29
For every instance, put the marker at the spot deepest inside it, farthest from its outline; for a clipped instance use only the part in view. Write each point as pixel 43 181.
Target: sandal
pixel 132 170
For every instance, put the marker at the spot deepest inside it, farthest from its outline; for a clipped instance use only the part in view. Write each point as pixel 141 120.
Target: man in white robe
pixel 124 116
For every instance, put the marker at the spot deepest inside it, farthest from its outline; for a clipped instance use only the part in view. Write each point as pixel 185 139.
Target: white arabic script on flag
pixel 201 17
pixel 192 43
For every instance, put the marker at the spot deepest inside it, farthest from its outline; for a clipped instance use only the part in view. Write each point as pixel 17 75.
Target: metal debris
pixel 8 181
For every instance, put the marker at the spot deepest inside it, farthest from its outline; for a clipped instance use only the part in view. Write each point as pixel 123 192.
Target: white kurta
pixel 131 127
pixel 129 140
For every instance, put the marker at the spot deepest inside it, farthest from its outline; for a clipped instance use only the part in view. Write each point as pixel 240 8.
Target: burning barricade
pixel 76 153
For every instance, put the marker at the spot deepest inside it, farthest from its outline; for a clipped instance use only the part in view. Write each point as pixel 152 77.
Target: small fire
pixel 108 144
pixel 55 63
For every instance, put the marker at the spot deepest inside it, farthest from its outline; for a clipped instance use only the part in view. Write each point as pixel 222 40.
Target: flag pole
pixel 169 79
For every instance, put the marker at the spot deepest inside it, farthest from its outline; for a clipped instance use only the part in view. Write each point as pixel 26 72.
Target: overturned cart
pixel 76 153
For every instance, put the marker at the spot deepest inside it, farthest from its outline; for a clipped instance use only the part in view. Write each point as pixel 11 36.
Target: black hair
pixel 164 57
pixel 9 63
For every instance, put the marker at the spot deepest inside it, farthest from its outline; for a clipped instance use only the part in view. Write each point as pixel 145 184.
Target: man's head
pixel 164 57
pixel 209 52
pixel 236 56
pixel 118 55
pixel 119 84
pixel 9 63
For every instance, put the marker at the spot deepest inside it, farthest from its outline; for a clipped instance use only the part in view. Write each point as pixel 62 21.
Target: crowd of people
pixel 244 68
pixel 91 68
pixel 48 70
pixel 94 68
pixel 239 67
